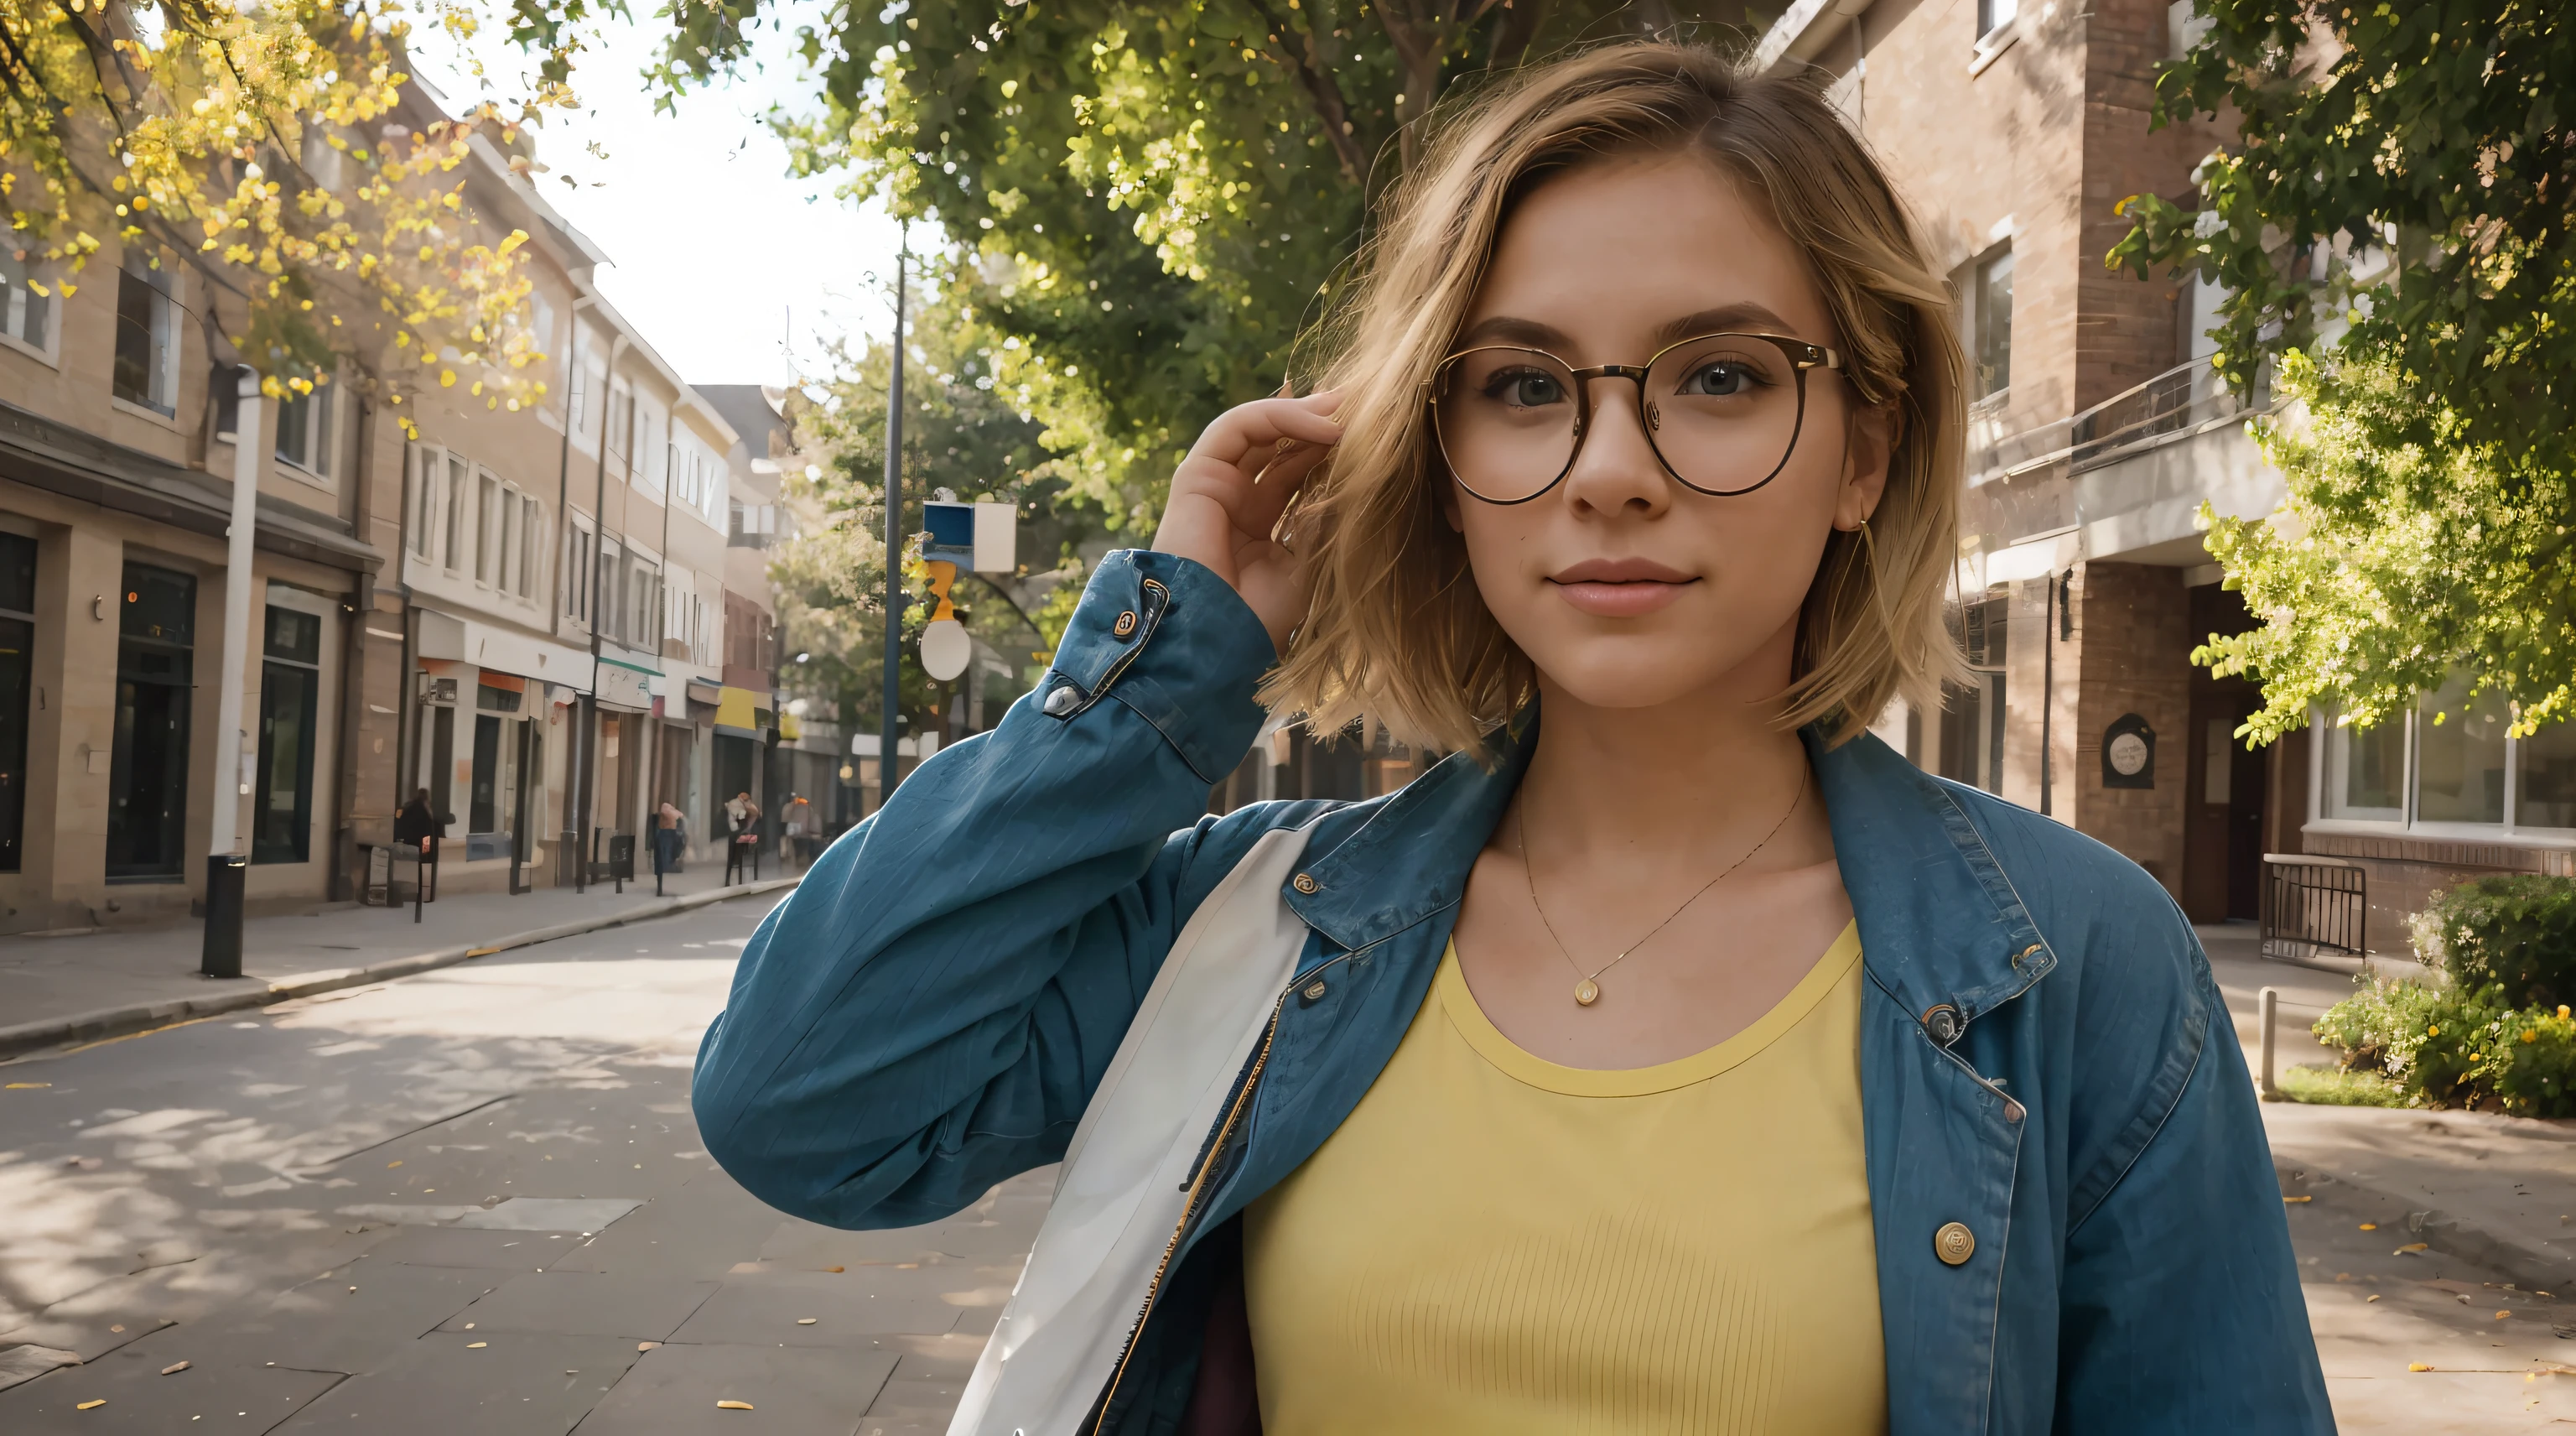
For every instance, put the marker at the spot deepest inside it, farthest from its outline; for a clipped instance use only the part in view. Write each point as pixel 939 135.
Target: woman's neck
pixel 1700 777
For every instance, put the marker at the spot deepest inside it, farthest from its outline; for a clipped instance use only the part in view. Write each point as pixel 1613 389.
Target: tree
pixel 2398 228
pixel 961 434
pixel 1153 199
pixel 260 145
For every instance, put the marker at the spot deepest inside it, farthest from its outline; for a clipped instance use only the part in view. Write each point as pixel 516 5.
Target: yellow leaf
pixel 805 1320
pixel 2370 1226
pixel 2369 1299
pixel 2501 1315
pixel 2298 1199
pixel 733 1406
pixel 91 1405
pixel 2411 1247
pixel 2418 1366
pixel 447 378
pixel 476 1345
pixel 22 1086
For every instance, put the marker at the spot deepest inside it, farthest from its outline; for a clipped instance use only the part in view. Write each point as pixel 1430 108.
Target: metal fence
pixel 2313 907
pixel 2178 402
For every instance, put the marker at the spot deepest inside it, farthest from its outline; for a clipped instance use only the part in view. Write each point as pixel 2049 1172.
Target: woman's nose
pixel 1616 469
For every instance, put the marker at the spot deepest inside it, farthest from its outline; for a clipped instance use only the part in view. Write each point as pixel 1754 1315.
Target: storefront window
pixel 2460 756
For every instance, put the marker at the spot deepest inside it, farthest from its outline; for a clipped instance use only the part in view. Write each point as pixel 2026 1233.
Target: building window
pixel 290 682
pixel 576 571
pixel 1993 15
pixel 26 301
pixel 304 429
pixel 621 422
pixel 491 804
pixel 459 480
pixel 2448 763
pixel 17 685
pixel 1991 323
pixel 487 528
pixel 144 370
pixel 147 785
pixel 531 523
pixel 424 497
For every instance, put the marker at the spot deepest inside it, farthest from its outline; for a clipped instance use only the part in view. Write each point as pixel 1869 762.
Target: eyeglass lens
pixel 1722 410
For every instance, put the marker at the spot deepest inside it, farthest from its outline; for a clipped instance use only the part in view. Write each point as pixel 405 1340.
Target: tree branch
pixel 1321 87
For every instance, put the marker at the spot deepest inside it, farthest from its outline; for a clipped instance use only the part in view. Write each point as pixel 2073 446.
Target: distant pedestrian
pixel 415 820
pixel 1674 1055
pixel 742 841
pixel 796 830
pixel 670 838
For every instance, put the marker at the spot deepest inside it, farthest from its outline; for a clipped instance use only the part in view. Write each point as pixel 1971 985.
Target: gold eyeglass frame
pixel 1802 356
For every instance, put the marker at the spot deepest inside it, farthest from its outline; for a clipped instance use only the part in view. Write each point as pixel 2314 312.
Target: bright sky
pixel 717 253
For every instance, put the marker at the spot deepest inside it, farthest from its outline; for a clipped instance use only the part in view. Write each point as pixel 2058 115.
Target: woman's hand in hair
pixel 1227 497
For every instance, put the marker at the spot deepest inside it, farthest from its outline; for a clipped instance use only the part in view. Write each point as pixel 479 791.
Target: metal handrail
pixel 2180 401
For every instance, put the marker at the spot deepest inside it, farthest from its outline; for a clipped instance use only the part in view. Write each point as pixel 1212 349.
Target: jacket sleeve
pixel 2181 1308
pixel 930 1010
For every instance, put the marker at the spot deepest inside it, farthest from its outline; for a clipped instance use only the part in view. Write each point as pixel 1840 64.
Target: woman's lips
pixel 1620 588
pixel 1632 599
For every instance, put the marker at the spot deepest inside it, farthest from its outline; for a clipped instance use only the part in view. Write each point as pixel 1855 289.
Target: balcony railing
pixel 2179 402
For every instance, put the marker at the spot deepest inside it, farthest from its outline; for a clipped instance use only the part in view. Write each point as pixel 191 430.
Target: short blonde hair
pixel 1397 633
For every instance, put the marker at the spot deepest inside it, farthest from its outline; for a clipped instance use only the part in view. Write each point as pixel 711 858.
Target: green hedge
pixel 2516 931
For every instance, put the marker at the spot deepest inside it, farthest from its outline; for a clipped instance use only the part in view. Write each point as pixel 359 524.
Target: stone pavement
pixel 114 980
pixel 468 1201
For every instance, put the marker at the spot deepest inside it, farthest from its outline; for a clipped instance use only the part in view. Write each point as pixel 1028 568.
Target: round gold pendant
pixel 1587 992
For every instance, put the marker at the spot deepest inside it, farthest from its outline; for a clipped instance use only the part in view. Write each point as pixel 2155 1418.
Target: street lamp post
pixel 227 867
pixel 892 718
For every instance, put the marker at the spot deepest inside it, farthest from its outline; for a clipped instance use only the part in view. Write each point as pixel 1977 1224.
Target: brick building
pixel 2097 432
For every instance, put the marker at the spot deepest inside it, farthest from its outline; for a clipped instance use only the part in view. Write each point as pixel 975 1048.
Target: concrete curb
pixel 21 1038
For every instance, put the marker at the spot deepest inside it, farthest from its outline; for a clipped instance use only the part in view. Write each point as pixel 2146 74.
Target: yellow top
pixel 1495 1244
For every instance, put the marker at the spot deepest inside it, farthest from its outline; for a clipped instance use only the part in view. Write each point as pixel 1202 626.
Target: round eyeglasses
pixel 1722 412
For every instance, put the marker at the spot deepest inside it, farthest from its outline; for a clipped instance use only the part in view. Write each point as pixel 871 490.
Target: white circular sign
pixel 2128 755
pixel 945 649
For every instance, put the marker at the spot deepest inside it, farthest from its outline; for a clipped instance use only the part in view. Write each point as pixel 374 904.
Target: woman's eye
pixel 1527 388
pixel 1718 379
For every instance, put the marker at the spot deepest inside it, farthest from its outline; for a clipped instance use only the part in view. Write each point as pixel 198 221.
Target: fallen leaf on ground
pixel 175 1366
pixel 2411 1248
pixel 120 1326
pixel 836 1268
pixel 2417 1366
pixel 805 1321
pixel 476 1345
pixel 23 1086
pixel 2298 1199
pixel 2371 1298
pixel 2501 1315
pixel 392 1164
pixel 733 1406
pixel 646 1345
pixel 91 1405
pixel 2370 1226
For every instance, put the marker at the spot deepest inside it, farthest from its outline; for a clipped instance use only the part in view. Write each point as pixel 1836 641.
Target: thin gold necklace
pixel 1587 990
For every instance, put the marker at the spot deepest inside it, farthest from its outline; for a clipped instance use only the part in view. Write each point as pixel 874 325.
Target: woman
pixel 1673 1056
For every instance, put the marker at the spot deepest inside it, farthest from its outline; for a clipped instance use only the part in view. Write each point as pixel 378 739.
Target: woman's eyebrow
pixel 1509 329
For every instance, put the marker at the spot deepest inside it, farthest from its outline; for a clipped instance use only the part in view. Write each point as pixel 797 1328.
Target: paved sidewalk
pixel 115 981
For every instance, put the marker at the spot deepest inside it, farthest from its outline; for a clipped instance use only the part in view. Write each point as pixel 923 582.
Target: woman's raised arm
pixel 930 1010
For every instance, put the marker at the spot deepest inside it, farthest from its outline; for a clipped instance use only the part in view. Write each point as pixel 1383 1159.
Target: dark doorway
pixel 736 760
pixel 2223 809
pixel 147 786
pixel 441 779
pixel 17 685
pixel 290 681
pixel 483 809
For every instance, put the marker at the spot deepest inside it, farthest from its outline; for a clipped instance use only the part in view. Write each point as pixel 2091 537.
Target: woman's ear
pixel 1866 459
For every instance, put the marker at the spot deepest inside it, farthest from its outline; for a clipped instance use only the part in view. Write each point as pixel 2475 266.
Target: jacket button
pixel 1125 625
pixel 1954 1243
pixel 1062 701
pixel 1305 883
pixel 1942 1021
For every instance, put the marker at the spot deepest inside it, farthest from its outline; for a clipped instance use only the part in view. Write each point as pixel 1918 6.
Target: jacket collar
pixel 1940 921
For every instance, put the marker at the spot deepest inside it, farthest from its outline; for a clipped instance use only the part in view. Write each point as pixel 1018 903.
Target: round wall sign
pixel 2128 753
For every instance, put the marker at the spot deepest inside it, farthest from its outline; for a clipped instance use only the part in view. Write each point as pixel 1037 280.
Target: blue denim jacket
pixel 2044 1056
